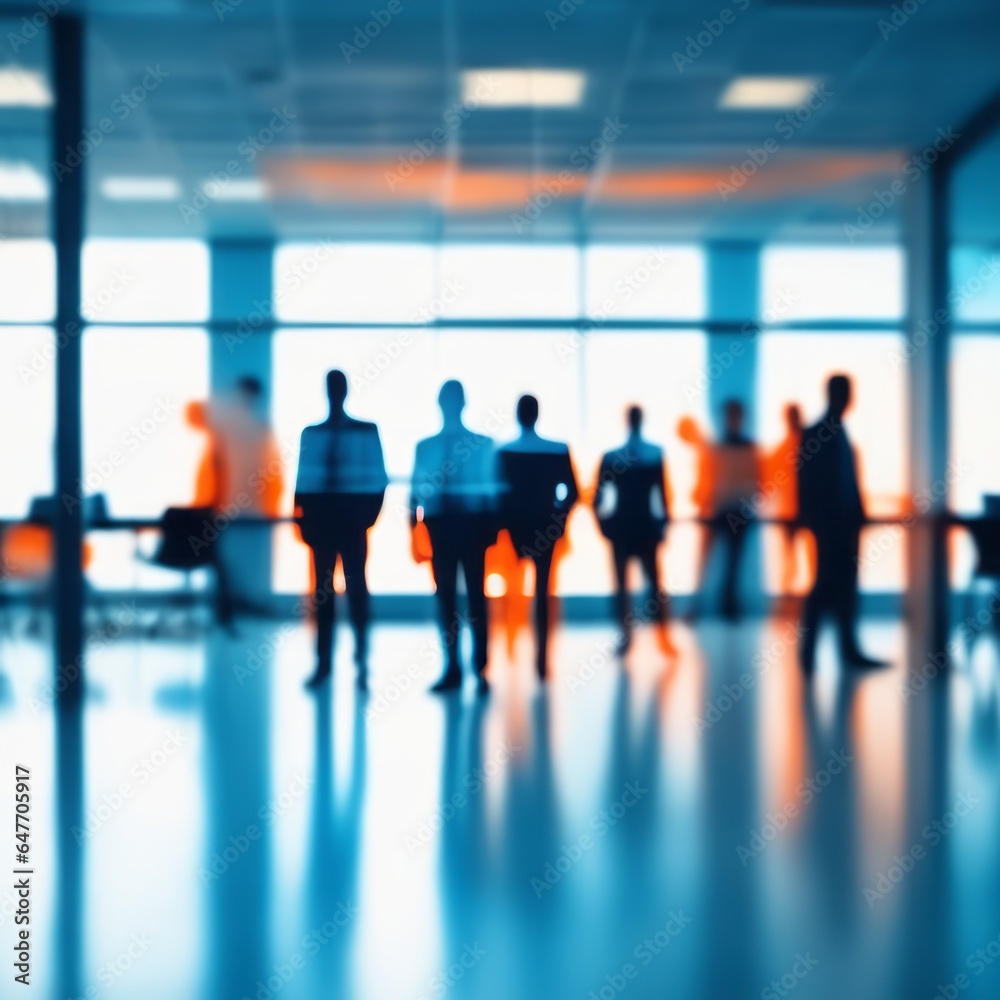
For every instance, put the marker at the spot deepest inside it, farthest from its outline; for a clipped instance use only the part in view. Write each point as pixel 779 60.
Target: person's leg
pixel 224 604
pixel 444 562
pixel 474 571
pixel 789 533
pixel 324 608
pixel 845 602
pixel 816 604
pixel 658 598
pixel 543 573
pixel 736 534
pixel 620 559
pixel 354 555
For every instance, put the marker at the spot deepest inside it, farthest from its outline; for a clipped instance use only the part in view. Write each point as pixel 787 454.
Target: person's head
pixel 732 411
pixel 527 412
pixel 793 418
pixel 249 390
pixel 336 388
pixel 687 430
pixel 634 418
pixel 838 395
pixel 451 399
pixel 196 415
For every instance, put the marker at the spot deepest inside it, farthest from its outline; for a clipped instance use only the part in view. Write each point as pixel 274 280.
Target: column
pixel 68 226
pixel 733 309
pixel 242 322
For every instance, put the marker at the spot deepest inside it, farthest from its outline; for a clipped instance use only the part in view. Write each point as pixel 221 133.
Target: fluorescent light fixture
pixel 522 88
pixel 22 88
pixel 767 91
pixel 236 189
pixel 141 188
pixel 22 182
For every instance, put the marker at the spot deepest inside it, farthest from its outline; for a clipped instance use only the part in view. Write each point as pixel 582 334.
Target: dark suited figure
pixel 537 492
pixel 338 495
pixel 735 480
pixel 632 504
pixel 830 507
pixel 454 493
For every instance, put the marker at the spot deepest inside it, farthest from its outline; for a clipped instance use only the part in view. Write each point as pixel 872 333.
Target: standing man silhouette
pixel 632 504
pixel 782 481
pixel 454 494
pixel 537 493
pixel 735 480
pixel 830 507
pixel 338 495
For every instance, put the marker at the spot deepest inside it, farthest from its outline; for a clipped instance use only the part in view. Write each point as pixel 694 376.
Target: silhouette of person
pixel 454 495
pixel 338 495
pixel 830 506
pixel 782 478
pixel 207 499
pixel 249 480
pixel 632 504
pixel 735 479
pixel 701 496
pixel 537 493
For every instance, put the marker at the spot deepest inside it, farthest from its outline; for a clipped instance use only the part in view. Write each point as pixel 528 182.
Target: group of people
pixel 466 490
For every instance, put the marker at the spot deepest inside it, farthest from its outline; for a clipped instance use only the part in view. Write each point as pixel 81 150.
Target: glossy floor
pixel 715 828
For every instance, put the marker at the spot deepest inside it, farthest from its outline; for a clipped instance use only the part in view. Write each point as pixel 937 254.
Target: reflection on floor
pixel 713 829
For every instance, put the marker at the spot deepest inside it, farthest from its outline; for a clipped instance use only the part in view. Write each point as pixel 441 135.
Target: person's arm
pixel 418 476
pixel 574 491
pixel 378 457
pixel 601 486
pixel 301 475
pixel 663 485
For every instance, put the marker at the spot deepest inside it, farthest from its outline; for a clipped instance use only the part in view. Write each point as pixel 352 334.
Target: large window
pixel 584 383
pixel 821 290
